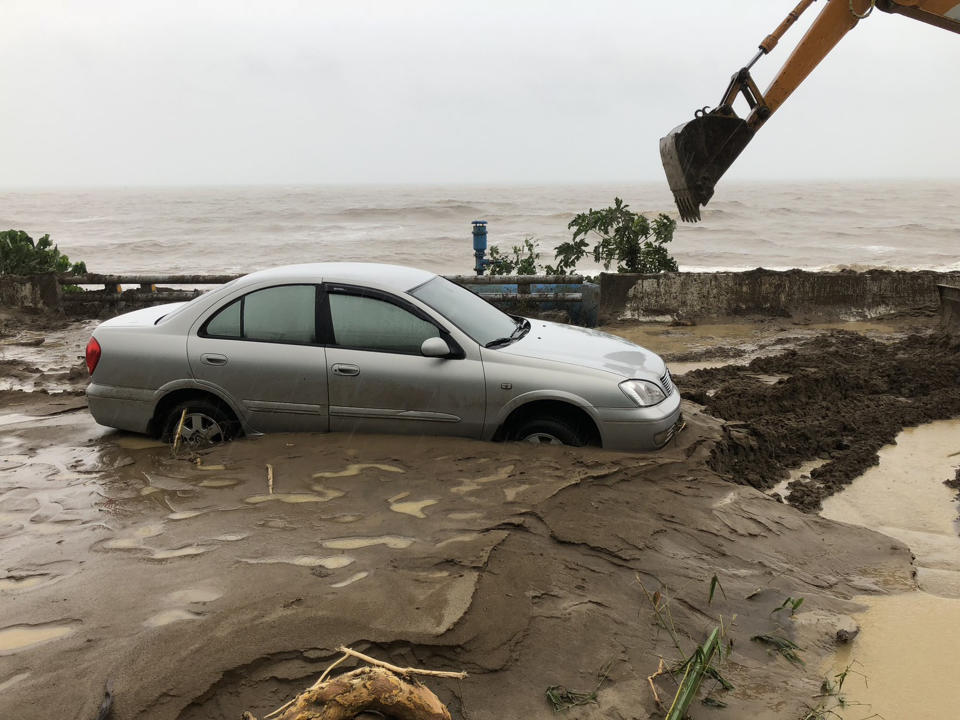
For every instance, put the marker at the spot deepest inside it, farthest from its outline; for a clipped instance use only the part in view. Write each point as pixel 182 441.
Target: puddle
pixel 395 542
pixel 11 681
pixel 194 595
pixel 327 493
pixel 133 541
pixel 414 508
pixel 136 442
pixel 468 537
pixel 287 498
pixel 330 563
pixel 171 616
pixel 476 483
pixel 19 637
pixel 796 474
pixel 356 469
pixel 909 644
pixel 218 483
pixel 15 418
pixel 510 494
pixel 465 515
pixel 904 497
pixel 24 582
pixel 230 537
pixel 187 551
pixel 352 579
pixel 908 650
pixel 186 514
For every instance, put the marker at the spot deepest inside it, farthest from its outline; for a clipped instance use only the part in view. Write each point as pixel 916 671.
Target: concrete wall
pixel 950 308
pixel 793 293
pixel 37 292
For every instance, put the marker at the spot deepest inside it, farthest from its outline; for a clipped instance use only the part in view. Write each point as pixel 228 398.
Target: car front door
pixel 378 379
pixel 262 351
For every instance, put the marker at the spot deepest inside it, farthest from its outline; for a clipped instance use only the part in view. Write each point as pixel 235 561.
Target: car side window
pixel 226 323
pixel 285 314
pixel 372 324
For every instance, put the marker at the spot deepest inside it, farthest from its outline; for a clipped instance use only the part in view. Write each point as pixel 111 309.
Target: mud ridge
pixel 838 397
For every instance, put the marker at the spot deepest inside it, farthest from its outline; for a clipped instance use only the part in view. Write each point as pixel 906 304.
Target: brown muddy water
pixel 903 662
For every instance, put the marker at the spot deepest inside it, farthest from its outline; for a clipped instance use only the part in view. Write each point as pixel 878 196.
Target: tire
pixel 206 424
pixel 550 431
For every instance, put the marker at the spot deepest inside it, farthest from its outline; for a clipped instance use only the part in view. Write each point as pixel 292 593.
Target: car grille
pixel 667 383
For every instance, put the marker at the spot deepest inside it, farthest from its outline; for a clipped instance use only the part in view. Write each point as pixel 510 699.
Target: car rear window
pixel 286 313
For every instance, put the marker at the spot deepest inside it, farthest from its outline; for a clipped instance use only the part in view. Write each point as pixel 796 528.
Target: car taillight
pixel 93 355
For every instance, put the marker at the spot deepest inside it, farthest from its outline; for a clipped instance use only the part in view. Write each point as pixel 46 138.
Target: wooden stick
pixel 347 652
pixel 269 479
pixel 312 687
pixel 661 670
pixel 400 670
pixel 176 438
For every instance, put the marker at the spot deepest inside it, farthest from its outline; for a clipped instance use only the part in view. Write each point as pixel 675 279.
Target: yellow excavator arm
pixel 696 154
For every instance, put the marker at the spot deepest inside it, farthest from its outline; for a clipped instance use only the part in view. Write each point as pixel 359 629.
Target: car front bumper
pixel 638 429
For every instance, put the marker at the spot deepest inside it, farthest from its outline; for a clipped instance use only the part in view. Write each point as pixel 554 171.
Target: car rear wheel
pixel 205 423
pixel 550 431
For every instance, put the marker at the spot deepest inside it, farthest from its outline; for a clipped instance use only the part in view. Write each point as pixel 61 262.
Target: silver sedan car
pixel 358 347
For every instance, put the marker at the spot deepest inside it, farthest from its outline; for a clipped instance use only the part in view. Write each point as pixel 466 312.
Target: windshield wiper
pixel 523 327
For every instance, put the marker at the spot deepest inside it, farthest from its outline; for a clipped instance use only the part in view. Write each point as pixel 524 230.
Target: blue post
pixel 480 245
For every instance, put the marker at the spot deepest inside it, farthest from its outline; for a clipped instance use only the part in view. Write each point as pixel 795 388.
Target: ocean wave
pixel 406 210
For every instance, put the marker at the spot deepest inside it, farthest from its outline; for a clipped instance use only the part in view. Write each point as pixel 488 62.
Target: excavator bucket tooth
pixel 696 154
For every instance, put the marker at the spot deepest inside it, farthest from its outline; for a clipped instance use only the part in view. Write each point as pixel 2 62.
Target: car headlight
pixel 643 392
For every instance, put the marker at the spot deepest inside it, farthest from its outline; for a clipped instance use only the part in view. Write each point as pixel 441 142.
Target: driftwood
pixel 369 689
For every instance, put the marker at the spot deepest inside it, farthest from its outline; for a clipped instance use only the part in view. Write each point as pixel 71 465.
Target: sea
pixel 778 225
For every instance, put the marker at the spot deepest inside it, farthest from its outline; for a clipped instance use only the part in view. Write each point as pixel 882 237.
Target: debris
pixel 697 666
pixel 106 705
pixel 562 699
pixel 179 433
pixel 384 688
pixel 782 645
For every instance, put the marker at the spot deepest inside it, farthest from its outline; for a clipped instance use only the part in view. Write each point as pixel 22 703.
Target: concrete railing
pixel 568 296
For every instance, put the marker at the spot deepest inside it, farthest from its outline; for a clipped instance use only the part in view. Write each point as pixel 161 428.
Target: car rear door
pixel 262 350
pixel 377 377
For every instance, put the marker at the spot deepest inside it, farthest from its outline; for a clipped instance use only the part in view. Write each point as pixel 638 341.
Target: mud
pixel 519 564
pixel 41 353
pixel 200 589
pixel 840 397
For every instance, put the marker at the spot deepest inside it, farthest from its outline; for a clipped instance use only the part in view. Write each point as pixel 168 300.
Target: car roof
pixel 398 278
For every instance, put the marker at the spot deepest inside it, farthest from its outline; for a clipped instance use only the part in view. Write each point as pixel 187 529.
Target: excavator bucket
pixel 696 154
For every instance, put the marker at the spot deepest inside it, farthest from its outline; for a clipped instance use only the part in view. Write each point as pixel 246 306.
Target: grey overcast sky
pixel 178 92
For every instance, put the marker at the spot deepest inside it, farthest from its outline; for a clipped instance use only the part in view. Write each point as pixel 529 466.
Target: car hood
pixel 588 348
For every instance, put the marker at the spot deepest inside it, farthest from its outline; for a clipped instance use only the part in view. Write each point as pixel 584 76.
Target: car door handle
pixel 343 369
pixel 213 359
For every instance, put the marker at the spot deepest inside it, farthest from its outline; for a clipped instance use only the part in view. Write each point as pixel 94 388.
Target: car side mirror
pixel 435 347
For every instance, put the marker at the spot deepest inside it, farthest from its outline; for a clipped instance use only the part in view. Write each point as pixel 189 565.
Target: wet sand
pixel 199 591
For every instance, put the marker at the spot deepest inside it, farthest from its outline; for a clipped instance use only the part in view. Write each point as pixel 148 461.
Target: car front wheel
pixel 550 431
pixel 204 424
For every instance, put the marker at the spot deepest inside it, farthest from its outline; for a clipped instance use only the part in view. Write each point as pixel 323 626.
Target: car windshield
pixel 469 312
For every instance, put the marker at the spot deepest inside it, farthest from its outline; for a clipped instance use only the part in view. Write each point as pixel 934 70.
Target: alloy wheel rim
pixel 543 438
pixel 200 430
